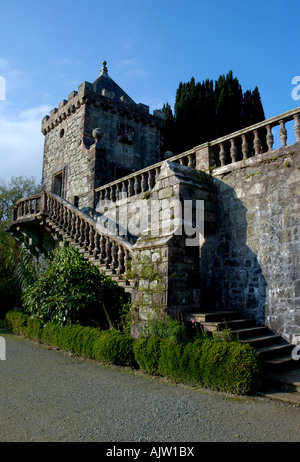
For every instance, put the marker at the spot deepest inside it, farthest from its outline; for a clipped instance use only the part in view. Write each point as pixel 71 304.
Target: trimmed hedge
pixel 225 366
pixel 147 353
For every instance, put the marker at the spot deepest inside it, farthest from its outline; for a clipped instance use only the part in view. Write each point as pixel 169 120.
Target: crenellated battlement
pixel 106 101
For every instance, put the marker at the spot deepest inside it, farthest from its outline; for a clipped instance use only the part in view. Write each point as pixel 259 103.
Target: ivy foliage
pixel 72 290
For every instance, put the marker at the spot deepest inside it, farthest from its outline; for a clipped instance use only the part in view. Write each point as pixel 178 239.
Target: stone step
pixel 234 324
pixel 213 316
pixel 273 351
pixel 280 363
pixel 249 332
pixel 265 340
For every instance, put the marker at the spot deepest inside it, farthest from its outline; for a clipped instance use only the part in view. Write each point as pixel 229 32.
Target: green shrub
pixel 34 328
pixel 224 366
pixel 221 365
pixel 167 328
pixel 147 354
pixel 16 321
pixel 114 347
pixel 73 290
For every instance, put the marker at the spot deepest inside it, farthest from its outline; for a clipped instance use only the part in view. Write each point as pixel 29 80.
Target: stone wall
pixel 253 262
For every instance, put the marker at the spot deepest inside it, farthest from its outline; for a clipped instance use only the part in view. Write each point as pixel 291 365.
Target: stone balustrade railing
pixel 242 144
pixel 111 251
pixel 253 140
pixel 27 207
pixel 140 181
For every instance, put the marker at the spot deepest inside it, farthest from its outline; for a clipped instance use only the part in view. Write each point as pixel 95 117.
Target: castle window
pixel 57 186
pixel 61 133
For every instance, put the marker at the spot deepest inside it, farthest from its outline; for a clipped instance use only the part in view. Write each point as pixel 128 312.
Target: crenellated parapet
pixel 106 101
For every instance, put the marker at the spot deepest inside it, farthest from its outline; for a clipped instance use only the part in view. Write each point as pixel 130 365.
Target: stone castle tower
pixel 97 136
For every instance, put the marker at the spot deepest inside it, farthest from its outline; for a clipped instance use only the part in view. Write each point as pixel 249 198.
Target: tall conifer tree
pixel 205 111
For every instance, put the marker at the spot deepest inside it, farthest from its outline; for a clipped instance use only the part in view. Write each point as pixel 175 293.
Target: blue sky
pixel 47 49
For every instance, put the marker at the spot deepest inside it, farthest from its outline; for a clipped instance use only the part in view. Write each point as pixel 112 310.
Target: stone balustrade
pixel 141 181
pixel 242 144
pixel 111 251
pixel 26 207
pixel 252 141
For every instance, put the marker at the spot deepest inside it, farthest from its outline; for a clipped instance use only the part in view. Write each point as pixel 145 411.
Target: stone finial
pixel 97 134
pixel 104 68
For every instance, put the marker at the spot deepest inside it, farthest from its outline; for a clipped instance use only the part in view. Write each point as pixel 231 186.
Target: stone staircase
pixel 95 258
pixel 63 221
pixel 273 351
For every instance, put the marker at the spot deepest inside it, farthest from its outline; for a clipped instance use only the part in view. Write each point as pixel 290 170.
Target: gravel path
pixel 50 396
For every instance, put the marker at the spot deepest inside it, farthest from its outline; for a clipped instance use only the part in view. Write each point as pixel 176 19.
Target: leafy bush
pixel 114 347
pixel 73 290
pixel 167 328
pixel 147 354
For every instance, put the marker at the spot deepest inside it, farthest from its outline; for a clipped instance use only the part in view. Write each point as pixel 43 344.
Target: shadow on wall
pixel 231 275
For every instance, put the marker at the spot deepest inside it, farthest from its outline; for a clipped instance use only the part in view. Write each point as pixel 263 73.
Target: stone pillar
pixel 170 284
pixel 203 157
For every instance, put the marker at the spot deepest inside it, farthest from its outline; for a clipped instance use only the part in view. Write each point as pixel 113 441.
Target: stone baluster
pixel 136 185
pixel 124 189
pixel 283 133
pixel 150 179
pixel 73 225
pixel 157 172
pixel 297 127
pixel 256 142
pixel 86 235
pixel 130 187
pixel 35 206
pixel 270 138
pixel 82 231
pixel 222 154
pixel 96 244
pixel 61 216
pixel 191 160
pixel 113 193
pixel 245 147
pixel 102 248
pixel 26 207
pixel 233 150
pixel 120 268
pixel 65 223
pixel 143 183
pixel 114 256
pixel 55 210
pixel 49 208
pixel 181 160
pixel 91 239
pixel 77 235
pixel 126 260
pixel 108 253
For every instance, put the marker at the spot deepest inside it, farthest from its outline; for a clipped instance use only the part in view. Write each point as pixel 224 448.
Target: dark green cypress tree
pixel 208 110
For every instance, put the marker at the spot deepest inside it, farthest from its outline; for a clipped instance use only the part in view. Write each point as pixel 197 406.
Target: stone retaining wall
pixel 253 261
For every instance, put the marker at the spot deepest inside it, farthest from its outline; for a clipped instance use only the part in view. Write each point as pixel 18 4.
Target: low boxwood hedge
pixel 225 366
